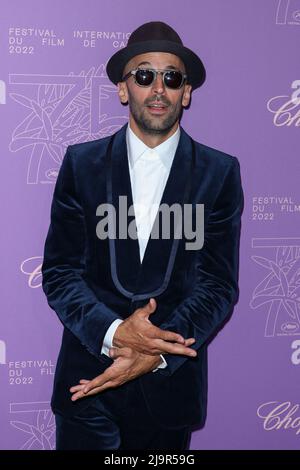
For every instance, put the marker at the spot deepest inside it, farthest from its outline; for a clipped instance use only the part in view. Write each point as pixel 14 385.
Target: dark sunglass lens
pixel 144 77
pixel 173 79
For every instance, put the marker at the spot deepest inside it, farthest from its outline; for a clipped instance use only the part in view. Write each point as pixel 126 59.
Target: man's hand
pixel 128 364
pixel 138 333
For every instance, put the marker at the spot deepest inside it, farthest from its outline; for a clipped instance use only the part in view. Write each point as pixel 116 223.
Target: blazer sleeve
pixel 63 268
pixel 215 290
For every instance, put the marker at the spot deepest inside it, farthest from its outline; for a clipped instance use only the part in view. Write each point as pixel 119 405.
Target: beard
pixel 155 125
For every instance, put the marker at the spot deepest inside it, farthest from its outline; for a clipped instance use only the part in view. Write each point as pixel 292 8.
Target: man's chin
pixel 156 127
pixel 156 130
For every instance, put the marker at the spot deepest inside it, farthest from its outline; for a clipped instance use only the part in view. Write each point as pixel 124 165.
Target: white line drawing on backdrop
pixel 62 110
pixel 40 435
pixel 32 268
pixel 2 352
pixel 288 12
pixel 280 288
pixel 2 92
pixel 282 11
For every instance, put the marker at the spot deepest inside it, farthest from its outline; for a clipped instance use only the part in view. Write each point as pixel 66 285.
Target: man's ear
pixel 122 92
pixel 186 97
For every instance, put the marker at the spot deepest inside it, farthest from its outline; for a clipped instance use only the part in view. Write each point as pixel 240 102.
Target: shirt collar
pixel 165 151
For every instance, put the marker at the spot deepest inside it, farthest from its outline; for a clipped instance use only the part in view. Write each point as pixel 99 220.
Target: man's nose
pixel 158 85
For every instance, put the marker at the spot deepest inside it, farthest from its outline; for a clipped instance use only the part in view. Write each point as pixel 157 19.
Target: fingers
pixel 113 376
pixel 76 396
pixel 175 348
pixel 148 332
pixel 98 381
pixel 82 383
pixel 94 391
pixel 158 347
pixel 94 386
pixel 152 304
pixel 77 388
pixel 116 374
pixel 166 335
pixel 149 308
pixel 189 341
pixel 91 387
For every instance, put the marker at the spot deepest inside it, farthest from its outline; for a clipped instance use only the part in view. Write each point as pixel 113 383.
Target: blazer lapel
pixel 151 277
pixel 159 257
pixel 124 252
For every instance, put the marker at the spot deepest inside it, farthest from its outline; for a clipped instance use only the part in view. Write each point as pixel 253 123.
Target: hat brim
pixel 194 67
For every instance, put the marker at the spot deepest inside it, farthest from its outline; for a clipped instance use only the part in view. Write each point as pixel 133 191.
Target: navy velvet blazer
pixel 90 282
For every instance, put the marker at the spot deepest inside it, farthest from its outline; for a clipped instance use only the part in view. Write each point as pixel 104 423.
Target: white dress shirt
pixel 149 169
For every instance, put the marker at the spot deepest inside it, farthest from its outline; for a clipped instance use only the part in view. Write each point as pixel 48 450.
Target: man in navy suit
pixel 139 310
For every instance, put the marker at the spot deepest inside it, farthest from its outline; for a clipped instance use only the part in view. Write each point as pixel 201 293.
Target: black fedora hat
pixel 156 36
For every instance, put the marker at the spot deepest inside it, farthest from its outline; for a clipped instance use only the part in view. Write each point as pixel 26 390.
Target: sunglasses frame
pixel 155 72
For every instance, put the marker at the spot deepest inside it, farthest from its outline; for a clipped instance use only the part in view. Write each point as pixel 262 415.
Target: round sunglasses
pixel 173 79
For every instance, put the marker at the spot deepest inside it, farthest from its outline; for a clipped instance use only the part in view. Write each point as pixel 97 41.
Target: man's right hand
pixel 138 333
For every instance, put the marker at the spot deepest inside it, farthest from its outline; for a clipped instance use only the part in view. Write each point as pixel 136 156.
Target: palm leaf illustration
pixel 281 287
pixel 21 426
pixel 23 100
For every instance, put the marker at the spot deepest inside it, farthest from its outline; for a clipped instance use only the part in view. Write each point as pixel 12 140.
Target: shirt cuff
pixel 162 365
pixel 109 335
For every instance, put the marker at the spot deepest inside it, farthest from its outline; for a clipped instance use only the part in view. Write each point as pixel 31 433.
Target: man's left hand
pixel 128 364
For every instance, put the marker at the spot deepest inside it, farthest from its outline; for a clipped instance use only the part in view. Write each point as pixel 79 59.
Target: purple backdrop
pixel 54 91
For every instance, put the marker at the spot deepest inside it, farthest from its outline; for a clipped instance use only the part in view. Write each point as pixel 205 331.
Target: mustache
pixel 161 100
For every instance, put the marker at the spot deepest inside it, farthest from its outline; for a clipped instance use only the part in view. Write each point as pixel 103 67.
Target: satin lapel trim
pixel 160 254
pixel 124 253
pixel 133 279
